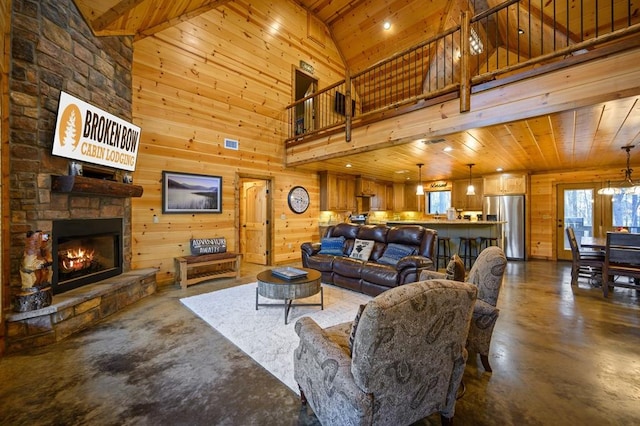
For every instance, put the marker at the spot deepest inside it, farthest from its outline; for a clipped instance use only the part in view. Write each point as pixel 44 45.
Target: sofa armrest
pixel 310 248
pixel 418 262
pixel 410 267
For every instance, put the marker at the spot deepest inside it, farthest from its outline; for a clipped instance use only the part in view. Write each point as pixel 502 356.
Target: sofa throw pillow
pixel 362 249
pixel 332 246
pixel 455 269
pixel 354 326
pixel 394 252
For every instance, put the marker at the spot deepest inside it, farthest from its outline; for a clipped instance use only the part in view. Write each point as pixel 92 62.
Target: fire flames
pixel 75 259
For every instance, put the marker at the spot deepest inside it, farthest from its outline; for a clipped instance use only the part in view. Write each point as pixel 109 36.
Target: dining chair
pixel 621 259
pixel 587 264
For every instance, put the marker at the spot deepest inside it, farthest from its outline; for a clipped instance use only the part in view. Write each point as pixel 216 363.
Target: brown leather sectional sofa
pixel 376 274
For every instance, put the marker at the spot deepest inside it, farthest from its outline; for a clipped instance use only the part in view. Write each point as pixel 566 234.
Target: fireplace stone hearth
pixel 77 309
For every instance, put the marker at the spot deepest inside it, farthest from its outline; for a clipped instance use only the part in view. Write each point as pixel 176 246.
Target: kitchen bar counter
pixel 457 222
pixel 454 229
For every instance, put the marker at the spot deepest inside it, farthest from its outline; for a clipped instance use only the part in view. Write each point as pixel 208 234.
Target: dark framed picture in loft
pixel 339 104
pixel 191 193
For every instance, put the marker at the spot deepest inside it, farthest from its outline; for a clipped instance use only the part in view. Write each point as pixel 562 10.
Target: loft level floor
pixel 560 355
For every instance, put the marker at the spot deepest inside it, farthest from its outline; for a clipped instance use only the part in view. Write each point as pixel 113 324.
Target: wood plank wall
pixel 224 74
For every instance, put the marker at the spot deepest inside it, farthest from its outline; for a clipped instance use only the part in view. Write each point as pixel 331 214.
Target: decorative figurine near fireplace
pixel 35 273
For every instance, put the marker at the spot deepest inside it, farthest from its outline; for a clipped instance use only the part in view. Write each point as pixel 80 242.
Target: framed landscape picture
pixel 191 193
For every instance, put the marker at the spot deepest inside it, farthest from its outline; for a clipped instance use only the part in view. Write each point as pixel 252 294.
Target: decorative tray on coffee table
pixel 289 273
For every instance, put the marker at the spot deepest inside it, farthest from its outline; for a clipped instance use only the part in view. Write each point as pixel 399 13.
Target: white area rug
pixel 262 334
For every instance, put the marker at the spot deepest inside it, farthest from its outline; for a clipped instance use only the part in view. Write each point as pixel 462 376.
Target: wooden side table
pixel 194 269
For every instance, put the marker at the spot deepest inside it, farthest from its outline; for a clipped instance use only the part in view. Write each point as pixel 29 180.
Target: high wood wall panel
pixel 221 75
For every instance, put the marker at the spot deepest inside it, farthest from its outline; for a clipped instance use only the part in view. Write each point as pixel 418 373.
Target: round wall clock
pixel 298 199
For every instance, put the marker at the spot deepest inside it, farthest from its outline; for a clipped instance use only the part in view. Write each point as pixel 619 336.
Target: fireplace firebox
pixel 85 251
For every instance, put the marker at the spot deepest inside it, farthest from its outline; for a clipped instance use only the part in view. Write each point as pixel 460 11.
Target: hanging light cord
pixel 628 170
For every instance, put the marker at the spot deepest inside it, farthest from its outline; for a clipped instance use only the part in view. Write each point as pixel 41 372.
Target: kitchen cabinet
pixel 383 199
pixel 337 192
pixel 404 197
pixel 460 199
pixel 505 183
pixel 365 186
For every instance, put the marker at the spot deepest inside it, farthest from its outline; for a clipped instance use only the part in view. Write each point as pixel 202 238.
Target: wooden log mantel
pixel 91 186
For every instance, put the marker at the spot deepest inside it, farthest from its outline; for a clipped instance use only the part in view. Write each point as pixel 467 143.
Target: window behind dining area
pixel 624 208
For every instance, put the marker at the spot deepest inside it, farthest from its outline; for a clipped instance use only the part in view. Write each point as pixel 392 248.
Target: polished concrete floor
pixel 560 356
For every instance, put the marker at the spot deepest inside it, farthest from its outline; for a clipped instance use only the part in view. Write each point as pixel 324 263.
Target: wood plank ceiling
pixel 582 138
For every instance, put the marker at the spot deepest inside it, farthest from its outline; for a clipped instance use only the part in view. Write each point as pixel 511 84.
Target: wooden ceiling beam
pixel 146 32
pixel 116 12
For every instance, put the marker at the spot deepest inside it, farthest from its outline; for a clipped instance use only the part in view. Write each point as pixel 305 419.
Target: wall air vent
pixel 231 144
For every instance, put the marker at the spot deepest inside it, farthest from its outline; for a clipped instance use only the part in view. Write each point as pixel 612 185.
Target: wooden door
pixel 254 222
pixel 580 207
pixel 306 117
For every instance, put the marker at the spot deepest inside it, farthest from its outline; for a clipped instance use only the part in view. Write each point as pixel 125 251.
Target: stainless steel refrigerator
pixel 508 209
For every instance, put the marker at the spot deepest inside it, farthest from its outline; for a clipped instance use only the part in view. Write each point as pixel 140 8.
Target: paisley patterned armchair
pixel 486 274
pixel 405 363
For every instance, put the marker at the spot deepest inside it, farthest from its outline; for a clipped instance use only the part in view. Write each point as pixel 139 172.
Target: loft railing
pixel 500 41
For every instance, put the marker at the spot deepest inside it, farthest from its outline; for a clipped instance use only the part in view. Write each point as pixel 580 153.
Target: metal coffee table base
pixel 288 303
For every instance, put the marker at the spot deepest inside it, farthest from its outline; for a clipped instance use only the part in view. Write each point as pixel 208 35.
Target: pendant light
pixel 627 186
pixel 420 188
pixel 609 190
pixel 470 189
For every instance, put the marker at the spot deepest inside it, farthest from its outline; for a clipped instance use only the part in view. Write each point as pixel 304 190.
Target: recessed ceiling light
pixel 448 149
pixel 520 31
pixel 499 169
pixel 348 165
pixel 386 25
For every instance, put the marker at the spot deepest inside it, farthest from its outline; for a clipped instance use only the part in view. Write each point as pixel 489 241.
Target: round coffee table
pixel 274 287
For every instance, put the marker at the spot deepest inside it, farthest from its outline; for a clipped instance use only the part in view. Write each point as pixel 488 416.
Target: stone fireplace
pixel 53 50
pixel 85 251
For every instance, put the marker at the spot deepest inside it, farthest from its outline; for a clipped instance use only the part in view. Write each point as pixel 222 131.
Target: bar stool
pixel 488 241
pixel 468 250
pixel 443 251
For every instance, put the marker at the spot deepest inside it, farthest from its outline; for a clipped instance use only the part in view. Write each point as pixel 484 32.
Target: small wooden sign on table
pixel 209 260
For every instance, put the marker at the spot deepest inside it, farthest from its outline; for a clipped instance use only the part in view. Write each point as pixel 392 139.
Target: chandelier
pixel 627 186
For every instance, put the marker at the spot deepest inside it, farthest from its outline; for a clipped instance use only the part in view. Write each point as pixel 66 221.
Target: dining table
pixel 594 243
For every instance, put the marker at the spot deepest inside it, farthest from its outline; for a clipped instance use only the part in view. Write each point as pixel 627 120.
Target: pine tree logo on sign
pixel 71 125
